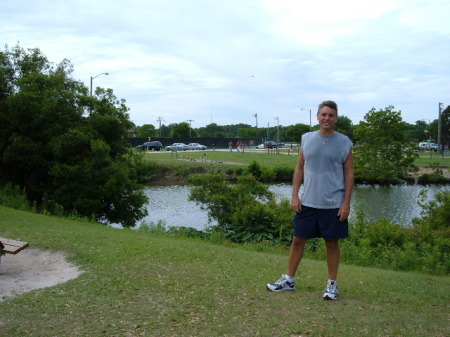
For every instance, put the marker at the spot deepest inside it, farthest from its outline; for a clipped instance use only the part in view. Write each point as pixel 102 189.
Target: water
pixel 395 203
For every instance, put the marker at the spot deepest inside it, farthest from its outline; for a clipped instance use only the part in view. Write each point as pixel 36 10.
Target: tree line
pixel 418 132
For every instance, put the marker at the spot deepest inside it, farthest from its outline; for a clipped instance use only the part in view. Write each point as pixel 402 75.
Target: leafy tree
pixel 55 150
pixel 183 130
pixel 245 211
pixel 384 152
pixel 295 132
pixel 147 130
pixel 212 130
pixel 344 125
pixel 246 132
pixel 417 131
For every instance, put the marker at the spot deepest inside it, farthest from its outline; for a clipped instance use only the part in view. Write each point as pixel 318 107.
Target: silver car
pixel 196 146
pixel 177 147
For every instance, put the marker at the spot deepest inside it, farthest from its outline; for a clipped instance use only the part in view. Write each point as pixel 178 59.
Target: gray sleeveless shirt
pixel 323 175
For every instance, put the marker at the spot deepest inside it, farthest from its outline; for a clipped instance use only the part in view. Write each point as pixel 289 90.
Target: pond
pixel 397 203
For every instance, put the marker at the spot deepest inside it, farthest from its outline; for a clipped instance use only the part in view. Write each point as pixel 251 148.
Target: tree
pixel 295 132
pixel 344 125
pixel 183 130
pixel 55 151
pixel 212 130
pixel 147 131
pixel 417 131
pixel 384 152
pixel 246 132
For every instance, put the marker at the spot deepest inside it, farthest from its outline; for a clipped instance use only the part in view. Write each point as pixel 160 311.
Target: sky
pixel 257 62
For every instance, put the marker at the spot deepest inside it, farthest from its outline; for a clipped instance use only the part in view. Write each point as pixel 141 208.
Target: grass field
pixel 285 157
pixel 143 284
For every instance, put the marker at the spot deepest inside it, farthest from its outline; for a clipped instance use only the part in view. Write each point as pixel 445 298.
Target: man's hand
pixel 296 204
pixel 344 212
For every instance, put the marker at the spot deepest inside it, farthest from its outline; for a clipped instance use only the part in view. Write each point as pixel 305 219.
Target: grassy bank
pixel 142 284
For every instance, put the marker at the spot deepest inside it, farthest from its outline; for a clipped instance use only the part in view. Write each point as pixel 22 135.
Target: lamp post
pixel 439 130
pixel 278 128
pixel 310 127
pixel 92 78
pixel 256 118
pixel 190 127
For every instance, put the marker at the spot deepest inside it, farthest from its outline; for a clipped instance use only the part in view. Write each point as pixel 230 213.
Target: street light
pixel 190 128
pixel 441 105
pixel 96 77
pixel 256 117
pixel 278 128
pixel 310 127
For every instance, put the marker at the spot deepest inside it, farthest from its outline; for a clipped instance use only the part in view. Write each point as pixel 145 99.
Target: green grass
pixel 225 158
pixel 143 284
pixel 263 157
pixel 425 159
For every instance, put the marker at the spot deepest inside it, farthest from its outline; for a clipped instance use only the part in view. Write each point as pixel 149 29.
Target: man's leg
pixel 295 255
pixel 333 257
pixel 286 282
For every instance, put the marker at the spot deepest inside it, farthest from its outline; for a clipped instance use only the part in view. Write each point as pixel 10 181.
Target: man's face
pixel 327 118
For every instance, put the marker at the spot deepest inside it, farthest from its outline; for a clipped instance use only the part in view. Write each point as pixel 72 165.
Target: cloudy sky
pixel 226 61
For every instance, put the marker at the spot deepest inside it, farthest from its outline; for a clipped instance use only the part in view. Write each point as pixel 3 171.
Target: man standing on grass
pixel 325 166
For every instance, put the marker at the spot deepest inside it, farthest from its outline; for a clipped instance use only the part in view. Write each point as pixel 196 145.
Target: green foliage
pixel 147 131
pixel 245 211
pixel 63 159
pixel 424 247
pixel 10 196
pixel 344 125
pixel 295 132
pixel 183 130
pixel 384 153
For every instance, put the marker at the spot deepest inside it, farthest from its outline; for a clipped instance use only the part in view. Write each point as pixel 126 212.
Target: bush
pixel 246 211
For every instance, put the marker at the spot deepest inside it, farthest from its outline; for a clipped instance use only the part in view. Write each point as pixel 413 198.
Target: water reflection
pixel 396 203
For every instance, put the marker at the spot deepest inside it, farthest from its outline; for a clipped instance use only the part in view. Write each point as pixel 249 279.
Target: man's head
pixel 330 104
pixel 327 116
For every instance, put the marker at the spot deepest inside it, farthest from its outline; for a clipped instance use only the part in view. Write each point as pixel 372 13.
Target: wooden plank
pixel 13 246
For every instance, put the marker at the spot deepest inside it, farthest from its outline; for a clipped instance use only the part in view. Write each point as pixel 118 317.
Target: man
pixel 325 166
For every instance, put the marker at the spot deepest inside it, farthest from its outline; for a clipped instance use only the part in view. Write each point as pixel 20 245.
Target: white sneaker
pixel 331 292
pixel 281 285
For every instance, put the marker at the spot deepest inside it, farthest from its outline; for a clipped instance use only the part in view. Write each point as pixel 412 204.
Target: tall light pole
pixel 310 126
pixel 190 121
pixel 439 129
pixel 278 128
pixel 256 118
pixel 159 120
pixel 92 78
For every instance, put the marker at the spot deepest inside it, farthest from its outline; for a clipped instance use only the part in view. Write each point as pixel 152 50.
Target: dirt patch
pixel 34 269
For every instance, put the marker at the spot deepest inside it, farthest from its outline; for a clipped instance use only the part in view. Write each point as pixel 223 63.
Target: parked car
pixel 196 146
pixel 427 146
pixel 260 146
pixel 177 147
pixel 270 144
pixel 153 146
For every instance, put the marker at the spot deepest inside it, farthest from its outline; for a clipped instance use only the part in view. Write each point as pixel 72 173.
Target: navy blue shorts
pixel 312 223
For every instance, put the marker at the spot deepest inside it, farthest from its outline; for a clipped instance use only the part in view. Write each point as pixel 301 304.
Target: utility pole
pixel 278 128
pixel 439 130
pixel 256 118
pixel 159 120
pixel 190 121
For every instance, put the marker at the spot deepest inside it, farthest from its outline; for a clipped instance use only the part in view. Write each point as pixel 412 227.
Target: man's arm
pixel 344 210
pixel 296 204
